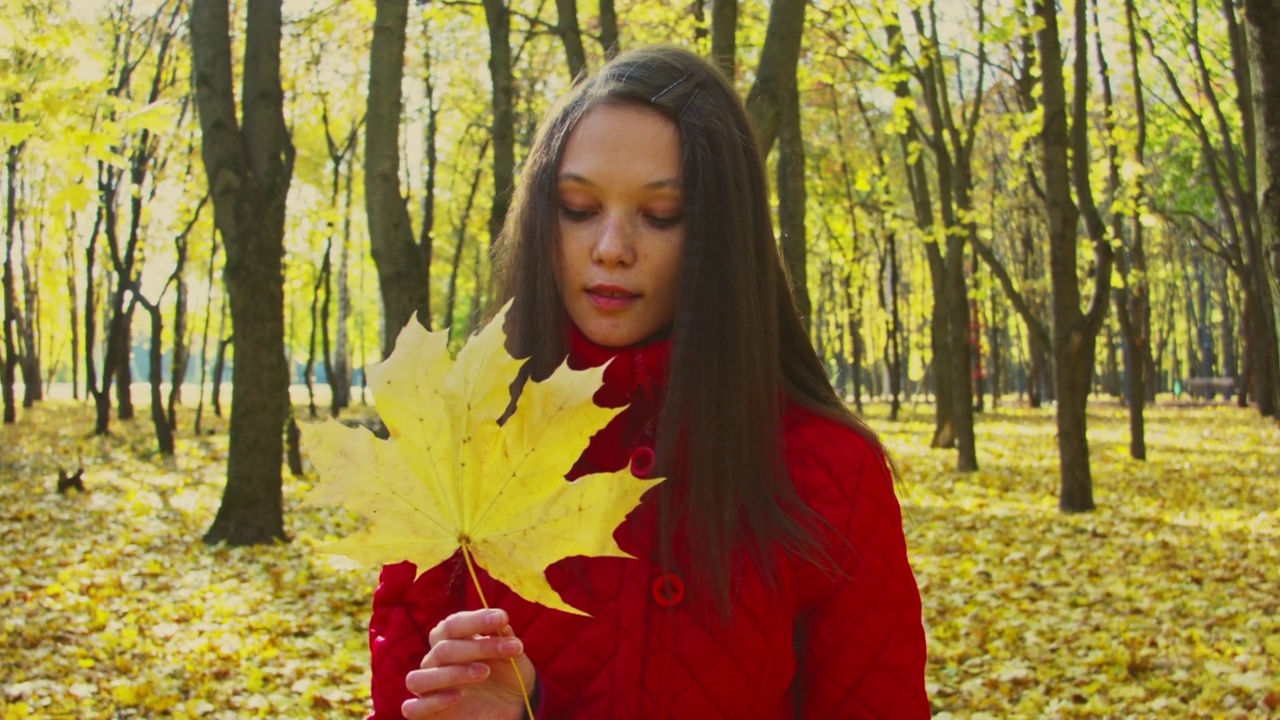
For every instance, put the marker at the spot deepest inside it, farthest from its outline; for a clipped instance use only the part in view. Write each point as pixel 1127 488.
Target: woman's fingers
pixel 443 680
pixel 425 707
pixel 472 649
pixel 469 623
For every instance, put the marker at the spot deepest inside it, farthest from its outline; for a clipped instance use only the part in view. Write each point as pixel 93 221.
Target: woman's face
pixel 621 224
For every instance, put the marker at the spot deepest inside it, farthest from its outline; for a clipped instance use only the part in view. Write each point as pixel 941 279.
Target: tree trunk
pixel 776 73
pixel 498 18
pixel 997 329
pixel 944 433
pixel 821 331
pixel 893 348
pixel 1262 21
pixel 1134 373
pixel 426 235
pixel 204 335
pixel 975 350
pixel 460 236
pixel 73 310
pixel 1248 337
pixel 219 371
pixel 944 430
pixel 293 447
pixel 1132 308
pixel 574 54
pixel 124 366
pixel 181 348
pixel 957 307
pixel 1226 330
pixel 108 186
pixel 952 149
pixel 338 372
pixel 724 36
pixel 1208 356
pixel 249 169
pixel 477 294
pixel 340 380
pixel 110 363
pixel 164 431
pixel 1073 375
pixel 1111 368
pixel 181 353
pixel 609 30
pixel 854 330
pixel 1074 333
pixel 791 204
pixel 9 363
pixel 308 371
pixel 326 349
pixel 33 388
pixel 401 271
pixel 91 309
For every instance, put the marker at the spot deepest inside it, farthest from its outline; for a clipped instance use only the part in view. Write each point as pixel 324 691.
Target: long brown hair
pixel 738 344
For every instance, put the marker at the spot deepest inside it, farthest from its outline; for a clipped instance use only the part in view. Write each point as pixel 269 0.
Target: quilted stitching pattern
pixel 861 653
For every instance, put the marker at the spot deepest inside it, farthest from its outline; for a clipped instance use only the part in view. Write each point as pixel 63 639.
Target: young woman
pixel 770 575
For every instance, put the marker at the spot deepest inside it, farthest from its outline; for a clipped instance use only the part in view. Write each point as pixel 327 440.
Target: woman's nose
pixel 615 245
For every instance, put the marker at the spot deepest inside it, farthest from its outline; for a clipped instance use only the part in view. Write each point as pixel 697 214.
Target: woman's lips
pixel 611 297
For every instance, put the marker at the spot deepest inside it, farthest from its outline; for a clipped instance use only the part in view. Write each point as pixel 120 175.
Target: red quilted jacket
pixel 822 645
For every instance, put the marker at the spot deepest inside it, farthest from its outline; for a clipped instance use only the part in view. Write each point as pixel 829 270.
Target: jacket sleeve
pixel 860 642
pixel 404 612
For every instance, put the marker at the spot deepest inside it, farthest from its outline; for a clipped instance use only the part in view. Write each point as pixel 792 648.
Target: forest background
pixel 993 213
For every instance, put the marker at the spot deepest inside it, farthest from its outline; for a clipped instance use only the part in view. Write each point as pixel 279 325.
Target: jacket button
pixel 668 590
pixel 642 462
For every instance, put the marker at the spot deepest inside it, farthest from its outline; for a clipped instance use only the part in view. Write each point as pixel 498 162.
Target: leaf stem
pixel 475 580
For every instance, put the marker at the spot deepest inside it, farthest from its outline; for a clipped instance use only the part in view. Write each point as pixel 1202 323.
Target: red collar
pixel 637 371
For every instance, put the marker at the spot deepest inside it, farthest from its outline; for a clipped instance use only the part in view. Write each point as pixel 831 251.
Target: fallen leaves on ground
pixel 111 606
pixel 1163 602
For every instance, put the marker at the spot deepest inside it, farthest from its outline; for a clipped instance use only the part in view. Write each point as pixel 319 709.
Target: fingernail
pixel 497 616
pixel 479 670
pixel 512 647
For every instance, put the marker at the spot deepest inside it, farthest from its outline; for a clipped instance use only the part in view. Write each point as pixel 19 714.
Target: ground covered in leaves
pixel 1163 602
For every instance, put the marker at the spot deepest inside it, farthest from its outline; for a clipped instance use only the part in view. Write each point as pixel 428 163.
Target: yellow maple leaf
pixel 451 477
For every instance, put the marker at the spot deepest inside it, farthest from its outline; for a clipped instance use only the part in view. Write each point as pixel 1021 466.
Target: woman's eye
pixel 574 214
pixel 664 221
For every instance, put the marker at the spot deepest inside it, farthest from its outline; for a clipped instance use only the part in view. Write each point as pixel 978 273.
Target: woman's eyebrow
pixel 665 184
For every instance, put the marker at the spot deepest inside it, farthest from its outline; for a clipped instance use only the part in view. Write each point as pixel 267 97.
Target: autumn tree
pixel 951 142
pixel 1065 163
pixel 248 159
pixel 776 74
pixel 341 152
pixel 575 56
pixel 126 189
pixel 21 70
pixel 402 271
pixel 774 106
pixel 10 360
pixel 1132 296
pixel 43 142
pixel 502 128
pixel 724 36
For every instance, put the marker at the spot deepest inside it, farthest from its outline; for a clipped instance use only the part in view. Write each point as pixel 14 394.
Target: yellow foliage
pixel 450 477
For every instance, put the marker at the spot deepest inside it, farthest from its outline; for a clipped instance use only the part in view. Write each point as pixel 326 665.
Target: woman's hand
pixel 468 672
